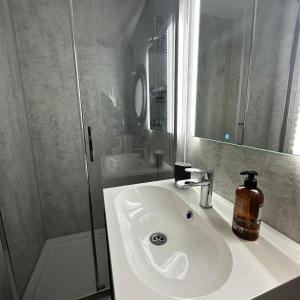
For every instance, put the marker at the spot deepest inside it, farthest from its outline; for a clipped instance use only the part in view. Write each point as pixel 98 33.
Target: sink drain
pixel 158 238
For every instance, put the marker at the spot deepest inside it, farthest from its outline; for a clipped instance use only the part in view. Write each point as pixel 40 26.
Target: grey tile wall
pixel 45 48
pixel 19 197
pixel 279 178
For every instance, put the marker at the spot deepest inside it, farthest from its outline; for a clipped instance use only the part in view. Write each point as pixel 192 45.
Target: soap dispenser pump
pixel 248 208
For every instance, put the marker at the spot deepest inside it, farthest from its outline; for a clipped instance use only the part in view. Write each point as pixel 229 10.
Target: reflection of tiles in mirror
pixel 65 269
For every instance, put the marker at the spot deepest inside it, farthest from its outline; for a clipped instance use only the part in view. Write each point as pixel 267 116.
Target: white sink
pixel 194 261
pixel 202 258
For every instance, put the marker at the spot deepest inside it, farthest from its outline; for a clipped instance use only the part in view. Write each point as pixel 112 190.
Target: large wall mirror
pixel 248 70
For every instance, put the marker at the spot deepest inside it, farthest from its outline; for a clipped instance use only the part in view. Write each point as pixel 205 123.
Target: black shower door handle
pixel 90 143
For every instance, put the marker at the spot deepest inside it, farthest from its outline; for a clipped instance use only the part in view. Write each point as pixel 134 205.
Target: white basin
pixel 195 260
pixel 202 258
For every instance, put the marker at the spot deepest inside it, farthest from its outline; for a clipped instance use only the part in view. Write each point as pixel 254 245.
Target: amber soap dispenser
pixel 248 208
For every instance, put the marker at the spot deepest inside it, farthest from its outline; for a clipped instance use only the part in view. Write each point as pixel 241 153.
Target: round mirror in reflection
pixel 140 96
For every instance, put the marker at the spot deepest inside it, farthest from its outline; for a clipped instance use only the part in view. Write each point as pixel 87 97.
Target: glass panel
pixel 126 67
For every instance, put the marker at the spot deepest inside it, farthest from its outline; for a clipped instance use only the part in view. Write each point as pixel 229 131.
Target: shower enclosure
pixel 76 108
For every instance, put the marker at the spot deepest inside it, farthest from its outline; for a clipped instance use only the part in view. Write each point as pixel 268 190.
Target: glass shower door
pixel 113 45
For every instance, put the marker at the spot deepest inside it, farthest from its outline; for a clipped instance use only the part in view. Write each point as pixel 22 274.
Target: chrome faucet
pixel 205 180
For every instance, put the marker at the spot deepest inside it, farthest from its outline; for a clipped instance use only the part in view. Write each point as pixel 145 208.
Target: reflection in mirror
pixel 139 99
pixel 248 67
pixel 114 38
pixel 140 96
pixel 161 70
